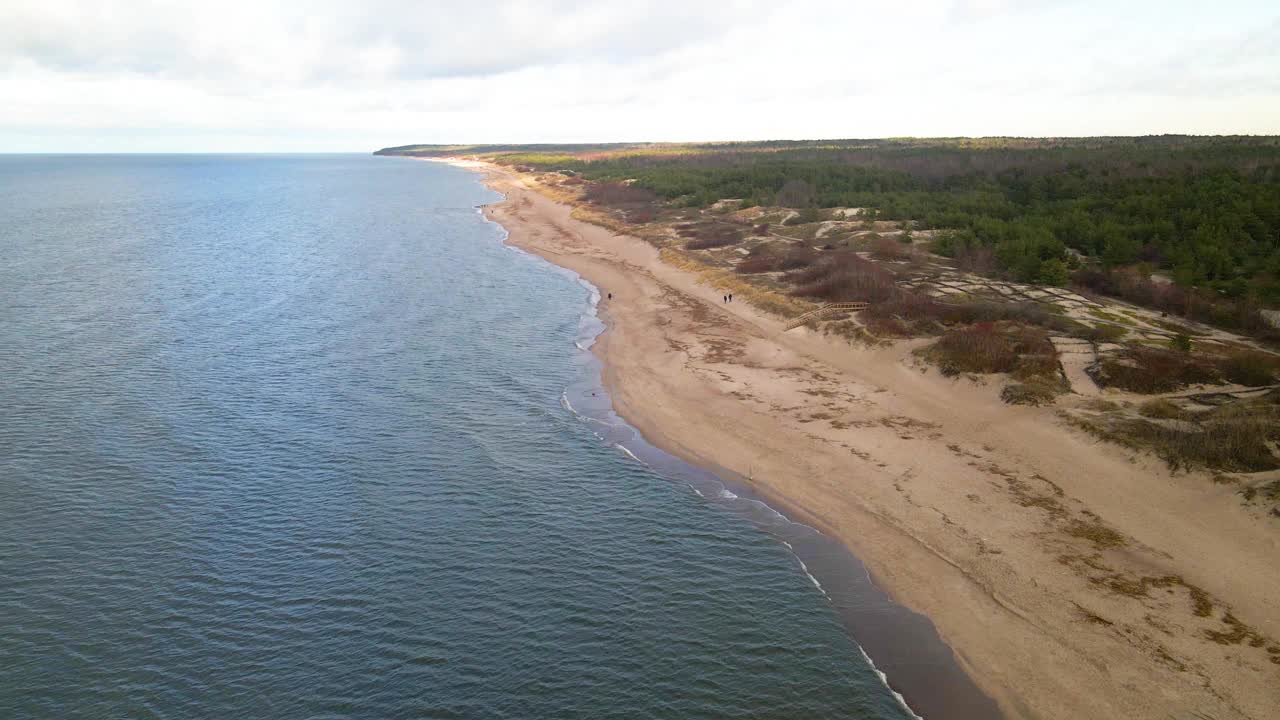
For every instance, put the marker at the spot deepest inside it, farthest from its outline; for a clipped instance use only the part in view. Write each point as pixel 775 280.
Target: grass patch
pixel 1095 532
pixel 988 347
pixel 1105 333
pixel 1233 438
pixel 1161 409
pixel 774 257
pixel 1250 368
pixel 1111 317
pixel 1150 370
pixel 844 277
pixel 1034 392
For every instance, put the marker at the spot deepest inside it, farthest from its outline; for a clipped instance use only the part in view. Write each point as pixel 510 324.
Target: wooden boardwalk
pixel 825 311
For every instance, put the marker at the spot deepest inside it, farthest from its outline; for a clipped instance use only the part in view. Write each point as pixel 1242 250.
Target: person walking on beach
pixel 610 296
pixel 730 297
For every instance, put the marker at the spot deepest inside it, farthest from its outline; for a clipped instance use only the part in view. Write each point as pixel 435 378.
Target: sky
pixel 325 75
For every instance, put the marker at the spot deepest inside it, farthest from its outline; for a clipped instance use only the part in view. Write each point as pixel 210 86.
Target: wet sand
pixel 1071 579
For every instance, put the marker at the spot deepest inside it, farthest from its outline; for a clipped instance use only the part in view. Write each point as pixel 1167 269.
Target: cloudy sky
pixel 268 75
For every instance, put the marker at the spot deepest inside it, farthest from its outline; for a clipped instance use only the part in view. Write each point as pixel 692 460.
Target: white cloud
pixel 271 74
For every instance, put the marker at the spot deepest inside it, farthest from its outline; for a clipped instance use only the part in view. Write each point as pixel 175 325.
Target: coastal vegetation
pixel 1149 265
pixel 1103 213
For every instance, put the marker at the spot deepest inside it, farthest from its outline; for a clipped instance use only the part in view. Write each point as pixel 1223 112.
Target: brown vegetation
pixel 1150 371
pixel 774 257
pixel 887 248
pixel 1135 285
pixel 1233 438
pixel 705 236
pixel 1250 368
pixel 637 204
pixel 844 277
pixel 988 347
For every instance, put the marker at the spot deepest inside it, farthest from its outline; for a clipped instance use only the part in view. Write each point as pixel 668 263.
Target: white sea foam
pixel 884 680
pixel 812 579
pixel 630 454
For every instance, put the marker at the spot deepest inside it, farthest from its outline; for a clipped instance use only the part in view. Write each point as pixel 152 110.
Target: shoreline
pixel 928 681
pixel 932 679
pixel 937 487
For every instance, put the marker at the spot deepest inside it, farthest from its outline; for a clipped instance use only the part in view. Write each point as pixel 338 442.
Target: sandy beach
pixel 1073 579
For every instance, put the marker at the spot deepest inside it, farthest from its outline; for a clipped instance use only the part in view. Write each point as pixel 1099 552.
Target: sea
pixel 302 437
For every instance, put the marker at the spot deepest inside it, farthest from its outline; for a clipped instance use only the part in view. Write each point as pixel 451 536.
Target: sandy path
pixel 1073 580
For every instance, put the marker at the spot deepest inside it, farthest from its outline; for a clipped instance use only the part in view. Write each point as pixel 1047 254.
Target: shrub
pixel 1135 285
pixel 1231 438
pixel 981 348
pixel 1161 409
pixel 1151 371
pixel 711 236
pixel 1024 352
pixel 1250 368
pixel 844 277
pixel 884 248
pixel 1029 393
pixel 906 314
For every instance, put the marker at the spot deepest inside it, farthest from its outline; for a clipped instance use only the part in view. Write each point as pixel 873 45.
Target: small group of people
pixel 728 298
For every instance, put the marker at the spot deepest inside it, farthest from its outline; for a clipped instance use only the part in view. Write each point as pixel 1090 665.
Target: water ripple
pixel 284 438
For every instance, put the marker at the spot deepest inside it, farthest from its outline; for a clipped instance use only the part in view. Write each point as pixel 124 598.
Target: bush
pixel 844 277
pixel 979 349
pixel 1161 409
pixel 1053 272
pixel 991 348
pixel 883 248
pixel 1151 371
pixel 921 315
pixel 1030 393
pixel 906 314
pixel 711 236
pixel 1135 285
pixel 1231 438
pixel 1250 368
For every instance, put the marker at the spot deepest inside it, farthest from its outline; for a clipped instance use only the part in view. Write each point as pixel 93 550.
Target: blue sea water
pixel 300 437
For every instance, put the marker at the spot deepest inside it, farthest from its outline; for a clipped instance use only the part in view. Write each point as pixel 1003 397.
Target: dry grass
pixel 1233 438
pixel 1096 532
pixel 1033 392
pixel 887 248
pixel 1161 409
pixel 908 314
pixel 988 347
pixel 1151 371
pixel 844 277
pixel 1250 368
pixel 774 257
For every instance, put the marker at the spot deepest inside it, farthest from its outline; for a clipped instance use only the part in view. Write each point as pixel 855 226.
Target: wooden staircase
pixel 825 311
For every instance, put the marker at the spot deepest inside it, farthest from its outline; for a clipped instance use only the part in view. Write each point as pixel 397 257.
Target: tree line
pixel 1204 211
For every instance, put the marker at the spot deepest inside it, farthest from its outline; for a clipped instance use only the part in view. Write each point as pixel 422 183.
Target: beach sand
pixel 1071 578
